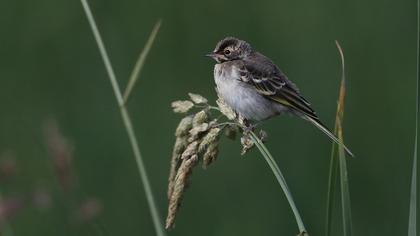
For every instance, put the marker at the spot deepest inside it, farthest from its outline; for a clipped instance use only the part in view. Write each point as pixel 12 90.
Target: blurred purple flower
pixel 61 154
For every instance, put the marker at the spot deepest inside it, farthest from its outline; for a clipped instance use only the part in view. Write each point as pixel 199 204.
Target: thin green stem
pixel 104 54
pixel 344 181
pixel 140 62
pixel 142 171
pixel 127 123
pixel 225 123
pixel 280 178
pixel 412 220
pixel 332 180
pixel 345 190
pixel 339 161
pixel 207 106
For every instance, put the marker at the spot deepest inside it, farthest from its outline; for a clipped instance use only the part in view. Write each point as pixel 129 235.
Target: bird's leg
pixel 247 126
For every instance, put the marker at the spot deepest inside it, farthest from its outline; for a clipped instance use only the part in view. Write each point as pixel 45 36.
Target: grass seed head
pixel 210 138
pixel 182 106
pixel 181 144
pixel 184 126
pixel 200 118
pixel 190 150
pixel 197 130
pixel 211 154
pixel 225 109
pixel 181 181
pixel 197 98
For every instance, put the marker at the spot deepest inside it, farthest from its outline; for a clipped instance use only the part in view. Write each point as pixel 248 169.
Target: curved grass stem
pixel 339 161
pixel 280 178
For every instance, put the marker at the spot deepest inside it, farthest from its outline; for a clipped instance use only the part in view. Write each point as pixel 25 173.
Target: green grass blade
pixel 103 53
pixel 127 123
pixel 332 180
pixel 412 220
pixel 345 192
pixel 344 181
pixel 140 62
pixel 340 162
pixel 280 178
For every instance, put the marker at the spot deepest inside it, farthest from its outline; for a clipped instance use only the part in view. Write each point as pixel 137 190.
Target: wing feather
pixel 270 82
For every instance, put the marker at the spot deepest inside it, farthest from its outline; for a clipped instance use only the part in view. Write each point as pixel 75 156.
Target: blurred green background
pixel 51 69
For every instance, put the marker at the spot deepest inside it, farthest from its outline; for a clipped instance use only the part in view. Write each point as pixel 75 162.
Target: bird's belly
pixel 241 97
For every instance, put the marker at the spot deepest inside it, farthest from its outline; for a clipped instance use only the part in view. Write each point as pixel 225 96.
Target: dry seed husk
pixel 200 117
pixel 182 106
pixel 184 126
pixel 179 147
pixel 196 130
pixel 197 98
pixel 225 109
pixel 211 154
pixel 190 150
pixel 181 181
pixel 211 137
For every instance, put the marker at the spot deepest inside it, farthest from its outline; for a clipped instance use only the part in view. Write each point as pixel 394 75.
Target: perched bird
pixel 254 87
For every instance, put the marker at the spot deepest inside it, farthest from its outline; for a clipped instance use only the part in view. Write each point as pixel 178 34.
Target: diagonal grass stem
pixel 280 178
pixel 127 122
pixel 140 62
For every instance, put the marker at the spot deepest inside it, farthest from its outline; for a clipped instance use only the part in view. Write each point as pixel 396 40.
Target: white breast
pixel 240 96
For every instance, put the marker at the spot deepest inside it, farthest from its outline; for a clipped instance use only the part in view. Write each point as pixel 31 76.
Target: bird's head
pixel 230 49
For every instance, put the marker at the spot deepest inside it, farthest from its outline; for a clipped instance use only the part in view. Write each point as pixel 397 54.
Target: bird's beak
pixel 212 55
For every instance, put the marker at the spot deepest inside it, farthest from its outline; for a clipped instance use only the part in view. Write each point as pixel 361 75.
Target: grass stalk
pixel 140 62
pixel 280 178
pixel 345 190
pixel 412 219
pixel 126 120
pixel 344 181
pixel 339 163
pixel 332 181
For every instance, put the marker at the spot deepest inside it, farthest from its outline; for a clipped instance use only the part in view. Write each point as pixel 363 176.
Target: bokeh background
pixel 51 70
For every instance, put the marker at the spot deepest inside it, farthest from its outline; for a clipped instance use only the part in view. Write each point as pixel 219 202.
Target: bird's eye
pixel 227 52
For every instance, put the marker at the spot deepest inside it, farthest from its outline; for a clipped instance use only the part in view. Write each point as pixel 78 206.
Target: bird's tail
pixel 324 129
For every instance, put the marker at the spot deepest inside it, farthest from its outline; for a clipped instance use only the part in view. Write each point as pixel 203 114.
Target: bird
pixel 256 89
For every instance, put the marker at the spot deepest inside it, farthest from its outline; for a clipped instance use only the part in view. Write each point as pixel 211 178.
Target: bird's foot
pixel 249 128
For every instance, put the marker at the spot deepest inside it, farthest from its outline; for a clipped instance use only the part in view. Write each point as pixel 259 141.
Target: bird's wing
pixel 270 82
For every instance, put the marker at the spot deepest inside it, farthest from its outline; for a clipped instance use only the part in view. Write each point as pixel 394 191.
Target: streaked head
pixel 230 49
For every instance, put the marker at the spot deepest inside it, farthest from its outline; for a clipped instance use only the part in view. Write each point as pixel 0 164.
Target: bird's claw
pixel 248 129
